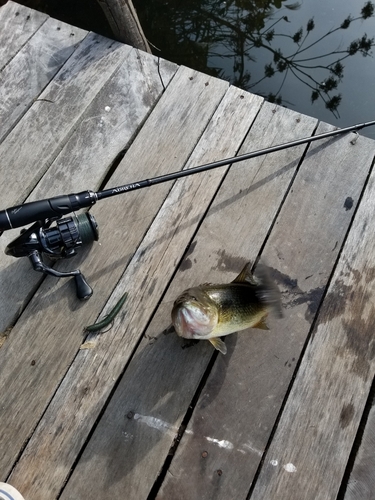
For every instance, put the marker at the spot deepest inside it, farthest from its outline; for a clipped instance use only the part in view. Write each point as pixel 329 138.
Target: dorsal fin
pixel 246 276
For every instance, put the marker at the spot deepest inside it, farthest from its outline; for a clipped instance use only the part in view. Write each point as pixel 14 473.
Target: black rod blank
pixel 227 161
pixel 56 207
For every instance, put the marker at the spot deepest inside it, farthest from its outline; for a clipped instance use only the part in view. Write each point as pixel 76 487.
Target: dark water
pixel 313 56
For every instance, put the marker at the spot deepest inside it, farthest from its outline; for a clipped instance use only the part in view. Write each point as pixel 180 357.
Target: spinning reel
pixel 58 242
pixel 69 234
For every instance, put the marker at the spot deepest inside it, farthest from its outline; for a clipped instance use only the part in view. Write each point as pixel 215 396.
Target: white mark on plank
pixel 127 436
pixel 108 109
pixel 290 468
pixel 155 423
pixel 222 444
pixel 251 448
pixel 274 463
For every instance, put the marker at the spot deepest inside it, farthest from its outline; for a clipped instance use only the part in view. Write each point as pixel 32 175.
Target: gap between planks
pixel 169 113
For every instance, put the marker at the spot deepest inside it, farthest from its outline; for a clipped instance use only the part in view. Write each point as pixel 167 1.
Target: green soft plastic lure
pixel 109 318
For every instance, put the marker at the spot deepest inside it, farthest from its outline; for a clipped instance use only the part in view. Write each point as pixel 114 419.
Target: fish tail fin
pixel 267 291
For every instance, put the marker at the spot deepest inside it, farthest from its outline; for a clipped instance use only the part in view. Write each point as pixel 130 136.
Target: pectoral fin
pixel 262 325
pixel 218 344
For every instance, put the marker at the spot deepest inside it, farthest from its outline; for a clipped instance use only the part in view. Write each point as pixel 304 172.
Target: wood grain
pixel 34 66
pixel 244 392
pixel 18 24
pixel 50 121
pixel 123 20
pixel 50 330
pixel 79 422
pixel 114 348
pixel 321 417
pixel 105 129
pixel 128 453
pixel 361 484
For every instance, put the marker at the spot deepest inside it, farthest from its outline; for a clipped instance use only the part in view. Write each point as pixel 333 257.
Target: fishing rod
pixel 70 233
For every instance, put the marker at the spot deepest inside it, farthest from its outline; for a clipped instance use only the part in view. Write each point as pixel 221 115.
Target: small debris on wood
pixel 90 344
pixel 4 336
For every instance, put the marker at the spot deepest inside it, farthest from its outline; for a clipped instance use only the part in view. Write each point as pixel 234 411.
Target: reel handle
pixel 83 289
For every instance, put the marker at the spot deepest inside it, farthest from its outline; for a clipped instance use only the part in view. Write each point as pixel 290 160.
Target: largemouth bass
pixel 211 311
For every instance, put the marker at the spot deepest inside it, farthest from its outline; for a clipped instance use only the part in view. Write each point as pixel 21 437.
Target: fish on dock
pixel 210 311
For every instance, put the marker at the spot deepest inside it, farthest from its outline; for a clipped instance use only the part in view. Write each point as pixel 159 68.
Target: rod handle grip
pixel 51 208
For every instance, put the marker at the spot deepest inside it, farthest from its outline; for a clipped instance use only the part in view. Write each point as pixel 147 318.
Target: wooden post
pixel 124 22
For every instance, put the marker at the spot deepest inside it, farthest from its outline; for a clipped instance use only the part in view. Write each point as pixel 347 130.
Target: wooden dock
pixel 136 412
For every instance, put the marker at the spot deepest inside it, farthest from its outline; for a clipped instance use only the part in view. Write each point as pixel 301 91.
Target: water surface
pixel 313 56
pixel 292 52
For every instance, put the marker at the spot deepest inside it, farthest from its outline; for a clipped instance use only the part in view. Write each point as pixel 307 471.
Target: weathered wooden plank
pixel 361 484
pixel 41 136
pixel 109 125
pixel 132 439
pixel 18 24
pixel 321 417
pixel 240 403
pixel 50 330
pixel 47 125
pixel 161 247
pixel 123 20
pixel 106 128
pixel 30 71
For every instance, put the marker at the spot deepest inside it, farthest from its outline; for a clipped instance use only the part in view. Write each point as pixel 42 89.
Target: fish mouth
pixel 192 323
